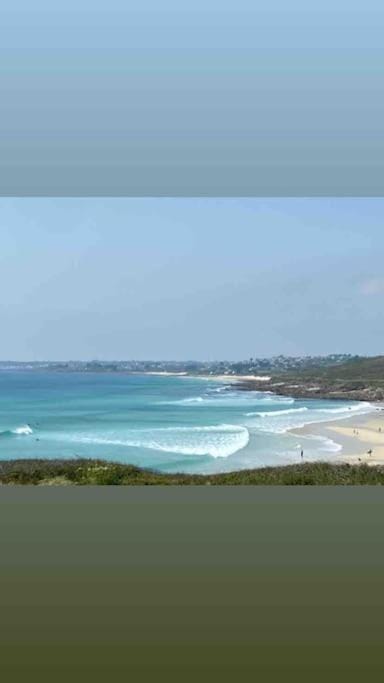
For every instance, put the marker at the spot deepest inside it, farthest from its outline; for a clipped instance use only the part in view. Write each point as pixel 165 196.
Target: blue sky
pixel 190 278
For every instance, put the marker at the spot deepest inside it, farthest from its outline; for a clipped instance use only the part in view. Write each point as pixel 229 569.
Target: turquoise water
pixel 168 423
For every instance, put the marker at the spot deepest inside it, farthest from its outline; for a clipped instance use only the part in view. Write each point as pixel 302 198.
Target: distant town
pixel 252 366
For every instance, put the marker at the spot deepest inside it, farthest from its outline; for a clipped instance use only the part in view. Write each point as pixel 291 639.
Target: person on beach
pixel 302 455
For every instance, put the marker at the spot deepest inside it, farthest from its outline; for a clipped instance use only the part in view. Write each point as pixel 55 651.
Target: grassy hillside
pixel 360 379
pixel 363 369
pixel 98 472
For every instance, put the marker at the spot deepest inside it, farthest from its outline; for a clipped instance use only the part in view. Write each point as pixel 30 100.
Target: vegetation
pixel 242 367
pixel 356 378
pixel 100 472
pixel 355 369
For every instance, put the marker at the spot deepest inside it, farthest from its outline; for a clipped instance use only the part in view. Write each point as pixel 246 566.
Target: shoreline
pixel 163 373
pixel 360 437
pixel 235 380
pixel 238 378
pixel 357 435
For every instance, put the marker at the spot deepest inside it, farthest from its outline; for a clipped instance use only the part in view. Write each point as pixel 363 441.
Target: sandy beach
pixel 233 379
pixel 356 435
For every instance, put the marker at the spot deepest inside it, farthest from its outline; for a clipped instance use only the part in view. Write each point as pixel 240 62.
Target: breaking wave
pixel 270 413
pixel 217 441
pixel 24 430
pixel 326 444
pixel 280 421
pixel 231 399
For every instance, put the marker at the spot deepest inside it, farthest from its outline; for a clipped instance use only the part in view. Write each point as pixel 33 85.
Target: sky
pixel 190 278
pixel 205 97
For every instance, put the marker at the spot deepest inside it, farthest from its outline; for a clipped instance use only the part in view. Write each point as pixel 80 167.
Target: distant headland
pixel 336 376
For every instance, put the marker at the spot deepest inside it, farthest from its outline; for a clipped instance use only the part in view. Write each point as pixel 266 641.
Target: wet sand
pixel 356 435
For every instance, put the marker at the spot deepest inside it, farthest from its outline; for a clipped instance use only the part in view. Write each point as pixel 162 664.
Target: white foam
pixel 326 444
pixel 271 413
pixel 219 441
pixel 358 407
pixel 231 399
pixel 25 430
pixel 280 422
pixel 219 390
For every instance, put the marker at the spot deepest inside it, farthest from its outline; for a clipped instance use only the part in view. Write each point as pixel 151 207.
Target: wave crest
pixel 24 430
pixel 271 413
pixel 217 441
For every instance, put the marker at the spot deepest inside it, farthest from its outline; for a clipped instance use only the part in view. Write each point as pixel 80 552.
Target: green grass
pixel 356 369
pixel 99 472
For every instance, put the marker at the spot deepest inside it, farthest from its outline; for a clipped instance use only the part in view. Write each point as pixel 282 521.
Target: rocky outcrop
pixel 338 390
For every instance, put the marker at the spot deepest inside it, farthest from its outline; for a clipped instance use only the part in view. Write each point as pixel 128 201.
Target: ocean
pixel 172 424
